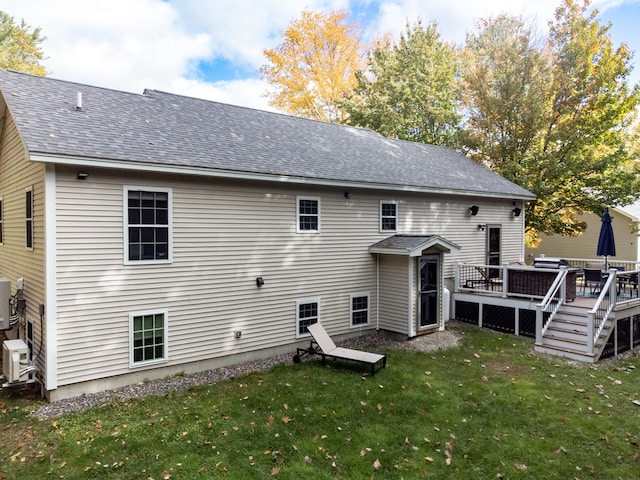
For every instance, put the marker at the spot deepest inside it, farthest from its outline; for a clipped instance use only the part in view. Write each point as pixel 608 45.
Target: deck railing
pixel 620 288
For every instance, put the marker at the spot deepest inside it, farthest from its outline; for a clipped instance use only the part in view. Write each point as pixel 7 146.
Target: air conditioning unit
pixel 15 357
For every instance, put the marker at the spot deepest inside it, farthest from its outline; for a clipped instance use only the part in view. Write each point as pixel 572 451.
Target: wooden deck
pixel 566 332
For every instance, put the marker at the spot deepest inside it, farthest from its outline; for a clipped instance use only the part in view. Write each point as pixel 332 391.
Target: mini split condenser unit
pixel 15 357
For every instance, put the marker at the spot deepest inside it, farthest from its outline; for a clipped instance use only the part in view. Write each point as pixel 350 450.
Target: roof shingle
pixel 162 129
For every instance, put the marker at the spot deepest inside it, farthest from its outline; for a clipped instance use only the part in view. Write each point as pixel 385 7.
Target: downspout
pixel 378 292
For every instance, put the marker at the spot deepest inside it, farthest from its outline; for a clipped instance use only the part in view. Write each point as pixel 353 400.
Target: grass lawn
pixel 488 409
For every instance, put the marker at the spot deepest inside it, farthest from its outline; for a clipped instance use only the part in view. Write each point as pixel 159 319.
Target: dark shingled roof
pixel 412 245
pixel 158 129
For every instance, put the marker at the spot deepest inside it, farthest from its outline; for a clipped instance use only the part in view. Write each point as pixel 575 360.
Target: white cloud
pixel 159 44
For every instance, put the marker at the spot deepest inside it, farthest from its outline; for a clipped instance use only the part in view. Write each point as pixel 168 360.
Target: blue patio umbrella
pixel 606 242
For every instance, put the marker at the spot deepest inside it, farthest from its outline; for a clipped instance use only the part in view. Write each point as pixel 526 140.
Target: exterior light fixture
pixel 259 281
pixel 481 227
pixel 347 195
pixel 473 210
pixel 82 175
pixel 517 211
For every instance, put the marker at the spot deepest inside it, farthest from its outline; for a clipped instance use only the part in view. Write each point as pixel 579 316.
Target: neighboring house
pixel 625 223
pixel 159 234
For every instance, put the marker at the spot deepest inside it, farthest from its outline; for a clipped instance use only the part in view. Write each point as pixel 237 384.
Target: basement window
pixel 148 342
pixel 308 313
pixel 359 309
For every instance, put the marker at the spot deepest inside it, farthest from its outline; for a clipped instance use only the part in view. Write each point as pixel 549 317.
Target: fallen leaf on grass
pixel 275 470
pixel 448 452
pixel 377 464
pixel 520 465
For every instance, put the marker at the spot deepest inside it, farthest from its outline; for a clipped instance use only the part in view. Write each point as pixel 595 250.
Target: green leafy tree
pixel 554 119
pixel 315 65
pixel 20 46
pixel 409 89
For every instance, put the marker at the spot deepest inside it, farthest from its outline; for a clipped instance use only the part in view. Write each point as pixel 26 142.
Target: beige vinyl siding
pixel 395 293
pixel 225 234
pixel 450 219
pixel 16 261
pixel 585 245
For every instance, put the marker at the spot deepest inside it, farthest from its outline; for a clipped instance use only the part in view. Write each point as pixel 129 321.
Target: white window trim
pixel 303 301
pixel 32 219
pixel 165 339
pixel 301 197
pixel 356 295
pixel 385 202
pixel 125 223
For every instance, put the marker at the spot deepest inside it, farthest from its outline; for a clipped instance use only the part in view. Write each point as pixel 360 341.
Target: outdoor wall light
pixel 347 195
pixel 517 211
pixel 82 175
pixel 481 227
pixel 259 281
pixel 473 210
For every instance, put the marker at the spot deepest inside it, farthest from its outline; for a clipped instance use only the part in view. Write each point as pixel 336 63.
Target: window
pixel 147 231
pixel 1 221
pixel 308 214
pixel 148 337
pixel 308 313
pixel 388 216
pixel 359 309
pixel 28 214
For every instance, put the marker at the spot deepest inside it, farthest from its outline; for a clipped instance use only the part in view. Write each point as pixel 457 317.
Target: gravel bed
pixel 424 343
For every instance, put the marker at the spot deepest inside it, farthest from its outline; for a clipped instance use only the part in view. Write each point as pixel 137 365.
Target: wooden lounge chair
pixel 323 345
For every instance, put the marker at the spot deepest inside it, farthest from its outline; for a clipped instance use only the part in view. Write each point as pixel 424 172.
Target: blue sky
pixel 213 48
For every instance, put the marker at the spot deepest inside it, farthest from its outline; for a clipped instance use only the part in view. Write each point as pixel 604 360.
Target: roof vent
pixel 79 101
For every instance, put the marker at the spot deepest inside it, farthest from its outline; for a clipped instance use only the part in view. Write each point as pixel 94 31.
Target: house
pixel 147 235
pixel 625 223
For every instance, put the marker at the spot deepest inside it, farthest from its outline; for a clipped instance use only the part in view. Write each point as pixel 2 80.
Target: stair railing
pixel 546 310
pixel 597 316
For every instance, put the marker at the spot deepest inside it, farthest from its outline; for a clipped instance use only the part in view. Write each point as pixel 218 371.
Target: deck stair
pixel 566 335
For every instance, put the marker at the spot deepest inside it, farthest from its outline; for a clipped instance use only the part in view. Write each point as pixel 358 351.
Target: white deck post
pixel 590 321
pixel 539 324
pixel 505 279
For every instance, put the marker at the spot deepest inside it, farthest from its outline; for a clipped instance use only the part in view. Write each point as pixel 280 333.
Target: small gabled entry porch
pixel 410 283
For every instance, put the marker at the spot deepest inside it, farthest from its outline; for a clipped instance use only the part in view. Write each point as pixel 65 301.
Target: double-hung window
pixel 308 214
pixel 148 337
pixel 307 313
pixel 147 225
pixel 388 216
pixel 359 309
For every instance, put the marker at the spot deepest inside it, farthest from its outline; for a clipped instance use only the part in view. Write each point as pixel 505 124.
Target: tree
pixel 20 46
pixel 562 129
pixel 409 90
pixel 314 67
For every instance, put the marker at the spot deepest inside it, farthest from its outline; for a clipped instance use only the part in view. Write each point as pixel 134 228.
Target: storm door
pixel 429 266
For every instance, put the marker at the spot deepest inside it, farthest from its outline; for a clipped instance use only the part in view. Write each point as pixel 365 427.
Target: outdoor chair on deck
pixel 493 283
pixel 592 278
pixel 323 345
